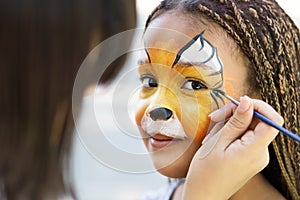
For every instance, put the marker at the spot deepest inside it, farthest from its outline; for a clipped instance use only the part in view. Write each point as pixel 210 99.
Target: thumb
pixel 239 122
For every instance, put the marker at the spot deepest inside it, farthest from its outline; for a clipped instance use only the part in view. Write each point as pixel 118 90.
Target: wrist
pixel 194 191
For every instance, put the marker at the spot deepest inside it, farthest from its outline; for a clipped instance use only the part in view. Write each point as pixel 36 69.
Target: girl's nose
pixel 160 113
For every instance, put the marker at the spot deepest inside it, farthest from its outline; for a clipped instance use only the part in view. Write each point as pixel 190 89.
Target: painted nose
pixel 160 114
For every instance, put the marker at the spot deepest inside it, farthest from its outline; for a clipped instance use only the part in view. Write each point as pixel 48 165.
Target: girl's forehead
pixel 177 28
pixel 165 39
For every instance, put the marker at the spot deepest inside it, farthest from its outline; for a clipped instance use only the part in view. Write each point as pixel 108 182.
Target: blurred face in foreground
pixel 181 73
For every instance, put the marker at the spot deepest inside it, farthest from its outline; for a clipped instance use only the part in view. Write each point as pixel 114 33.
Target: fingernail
pixel 206 138
pixel 244 104
pixel 218 110
pixel 213 112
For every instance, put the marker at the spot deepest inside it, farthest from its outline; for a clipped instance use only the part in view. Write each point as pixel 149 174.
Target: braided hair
pixel 271 41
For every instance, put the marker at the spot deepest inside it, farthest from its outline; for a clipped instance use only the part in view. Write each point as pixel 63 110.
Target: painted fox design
pixel 199 53
pixel 180 81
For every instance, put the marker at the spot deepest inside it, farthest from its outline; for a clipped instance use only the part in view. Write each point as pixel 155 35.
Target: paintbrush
pixel 264 118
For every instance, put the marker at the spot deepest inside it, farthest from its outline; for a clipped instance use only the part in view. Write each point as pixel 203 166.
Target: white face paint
pixel 171 127
pixel 199 52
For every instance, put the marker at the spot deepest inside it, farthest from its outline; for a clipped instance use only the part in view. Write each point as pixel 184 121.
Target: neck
pixel 257 188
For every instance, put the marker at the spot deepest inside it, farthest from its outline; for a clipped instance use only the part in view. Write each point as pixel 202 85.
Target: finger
pixel 263 132
pixel 213 130
pixel 254 123
pixel 239 122
pixel 268 111
pixel 223 113
pixel 210 140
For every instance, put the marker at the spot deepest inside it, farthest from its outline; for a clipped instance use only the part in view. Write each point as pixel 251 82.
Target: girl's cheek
pixel 202 130
pixel 196 129
pixel 195 120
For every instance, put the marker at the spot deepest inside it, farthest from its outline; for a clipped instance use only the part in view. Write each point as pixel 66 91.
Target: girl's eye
pixel 148 82
pixel 194 85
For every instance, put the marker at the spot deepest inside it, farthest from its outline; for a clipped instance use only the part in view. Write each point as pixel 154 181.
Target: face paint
pixel 197 58
pixel 184 74
pixel 200 52
pixel 171 127
pixel 181 79
pixel 162 55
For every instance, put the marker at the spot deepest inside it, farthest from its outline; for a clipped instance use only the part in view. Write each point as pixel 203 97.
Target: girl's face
pixel 178 90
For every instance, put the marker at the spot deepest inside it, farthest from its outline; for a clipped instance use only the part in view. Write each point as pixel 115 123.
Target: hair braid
pixel 271 41
pixel 291 84
pixel 287 163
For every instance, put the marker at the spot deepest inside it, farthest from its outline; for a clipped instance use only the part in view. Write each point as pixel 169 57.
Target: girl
pixel 193 50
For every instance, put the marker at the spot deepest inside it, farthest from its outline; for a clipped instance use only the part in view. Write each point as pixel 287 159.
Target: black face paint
pixel 148 56
pixel 200 52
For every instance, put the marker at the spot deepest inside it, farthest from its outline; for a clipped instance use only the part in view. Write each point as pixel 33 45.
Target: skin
pixel 233 164
pixel 227 157
pixel 174 90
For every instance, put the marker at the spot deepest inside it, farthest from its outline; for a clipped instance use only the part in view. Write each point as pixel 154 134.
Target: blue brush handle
pixel 273 124
pixel 263 118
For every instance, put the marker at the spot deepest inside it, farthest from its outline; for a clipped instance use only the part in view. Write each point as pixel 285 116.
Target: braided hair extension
pixel 271 42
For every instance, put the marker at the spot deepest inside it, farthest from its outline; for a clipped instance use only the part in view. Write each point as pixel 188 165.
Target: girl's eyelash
pixel 142 77
pixel 195 79
pixel 148 81
pixel 194 84
pixel 190 83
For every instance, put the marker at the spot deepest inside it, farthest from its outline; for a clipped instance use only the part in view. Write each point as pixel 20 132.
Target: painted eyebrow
pixel 178 55
pixel 147 53
pixel 185 47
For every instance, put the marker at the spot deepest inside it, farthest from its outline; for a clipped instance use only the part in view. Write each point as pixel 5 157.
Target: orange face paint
pixel 195 70
pixel 179 89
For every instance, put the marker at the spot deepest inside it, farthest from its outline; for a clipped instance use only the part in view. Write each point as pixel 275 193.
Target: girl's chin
pixel 173 162
pixel 174 171
pixel 171 157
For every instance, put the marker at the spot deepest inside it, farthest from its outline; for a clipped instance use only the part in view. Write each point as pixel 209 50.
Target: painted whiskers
pixel 263 118
pixel 199 51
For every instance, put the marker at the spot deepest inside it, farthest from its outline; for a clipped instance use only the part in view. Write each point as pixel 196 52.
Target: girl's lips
pixel 159 141
pixel 161 137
